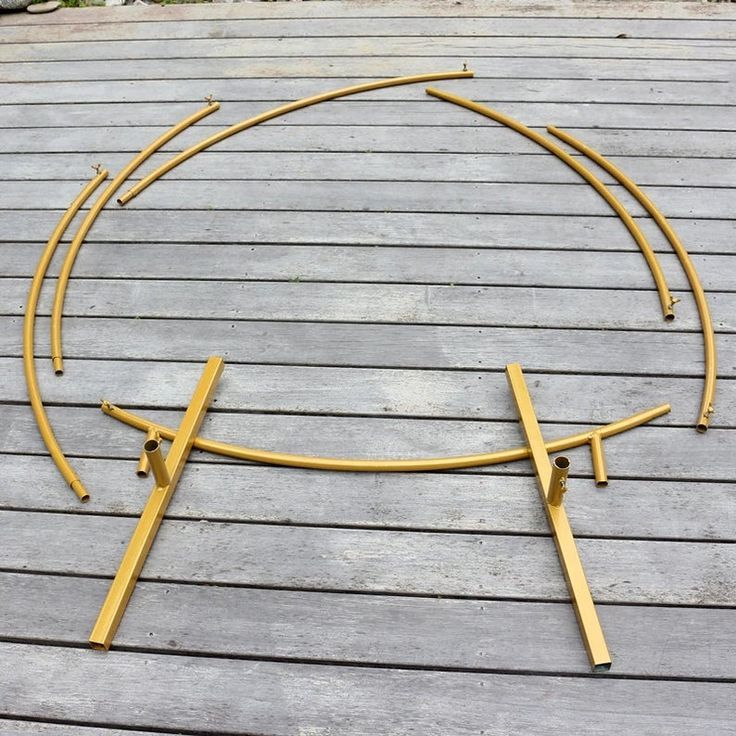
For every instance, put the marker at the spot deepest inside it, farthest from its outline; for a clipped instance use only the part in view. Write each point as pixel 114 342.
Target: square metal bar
pixel 145 532
pixel 590 627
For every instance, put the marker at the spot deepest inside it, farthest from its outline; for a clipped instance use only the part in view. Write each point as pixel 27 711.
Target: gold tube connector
pixel 152 449
pixel 599 460
pixel 558 480
pixel 144 466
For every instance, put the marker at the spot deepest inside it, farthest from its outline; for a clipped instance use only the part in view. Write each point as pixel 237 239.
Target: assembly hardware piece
pixel 383 466
pixel 277 112
pixel 167 476
pixel 144 466
pixel 665 297
pixel 550 479
pixel 84 228
pixel 706 323
pixel 29 349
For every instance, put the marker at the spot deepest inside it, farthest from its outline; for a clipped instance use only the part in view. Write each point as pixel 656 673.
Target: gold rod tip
pixel 58 365
pixel 99 645
pixel 80 490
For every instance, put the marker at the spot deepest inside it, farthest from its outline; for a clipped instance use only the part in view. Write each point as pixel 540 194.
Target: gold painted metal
pixel 152 448
pixel 590 627
pixel 558 480
pixel 145 532
pixel 599 460
pixel 383 466
pixel 706 323
pixel 29 328
pixel 143 465
pixel 277 112
pixel 665 297
pixel 84 228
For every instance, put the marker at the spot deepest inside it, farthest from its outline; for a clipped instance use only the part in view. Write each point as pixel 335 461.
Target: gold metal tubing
pixel 383 466
pixel 665 297
pixel 277 112
pixel 152 448
pixel 29 327
pixel 706 323
pixel 84 228
pixel 590 627
pixel 143 465
pixel 599 460
pixel 145 532
pixel 558 480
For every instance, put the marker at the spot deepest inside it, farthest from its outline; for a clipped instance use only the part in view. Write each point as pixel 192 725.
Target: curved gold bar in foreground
pixel 665 297
pixel 84 228
pixel 706 323
pixel 383 466
pixel 29 326
pixel 277 112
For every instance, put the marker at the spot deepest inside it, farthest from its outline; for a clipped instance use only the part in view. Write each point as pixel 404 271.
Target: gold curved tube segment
pixel 277 112
pixel 29 328
pixel 665 297
pixel 84 228
pixel 706 323
pixel 382 466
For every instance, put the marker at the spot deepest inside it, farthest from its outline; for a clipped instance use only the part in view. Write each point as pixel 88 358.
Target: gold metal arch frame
pixel 551 477
pixel 706 323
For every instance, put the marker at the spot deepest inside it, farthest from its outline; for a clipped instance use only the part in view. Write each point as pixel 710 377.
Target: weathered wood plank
pixel 61 64
pixel 574 9
pixel 11 725
pixel 423 501
pixel 370 391
pixel 665 453
pixel 621 91
pixel 119 225
pixel 229 262
pixel 477 139
pixel 392 303
pixel 347 166
pixel 387 346
pixel 495 635
pixel 479 27
pixel 618 571
pixel 570 198
pixel 359 112
pixel 277 698
pixel 447 50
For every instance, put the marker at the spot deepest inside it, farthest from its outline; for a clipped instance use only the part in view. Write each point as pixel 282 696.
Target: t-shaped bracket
pixel 551 482
pixel 166 473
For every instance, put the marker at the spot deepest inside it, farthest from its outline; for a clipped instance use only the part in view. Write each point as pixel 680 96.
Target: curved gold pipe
pixel 383 466
pixel 706 323
pixel 277 112
pixel 29 327
pixel 84 228
pixel 665 297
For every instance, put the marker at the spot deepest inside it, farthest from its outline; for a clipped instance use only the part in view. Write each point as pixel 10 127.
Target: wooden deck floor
pixel 366 268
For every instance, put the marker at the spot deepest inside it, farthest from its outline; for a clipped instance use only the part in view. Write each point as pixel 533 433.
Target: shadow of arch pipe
pixel 277 112
pixel 268 457
pixel 84 228
pixel 29 349
pixel 706 323
pixel 665 297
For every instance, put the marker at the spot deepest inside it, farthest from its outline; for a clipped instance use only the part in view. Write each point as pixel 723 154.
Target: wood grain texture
pixel 483 635
pixel 281 698
pixel 495 503
pixel 620 91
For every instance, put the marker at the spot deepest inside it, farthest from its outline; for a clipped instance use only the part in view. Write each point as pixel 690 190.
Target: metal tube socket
pixel 155 457
pixel 558 480
pixel 599 460
pixel 144 466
